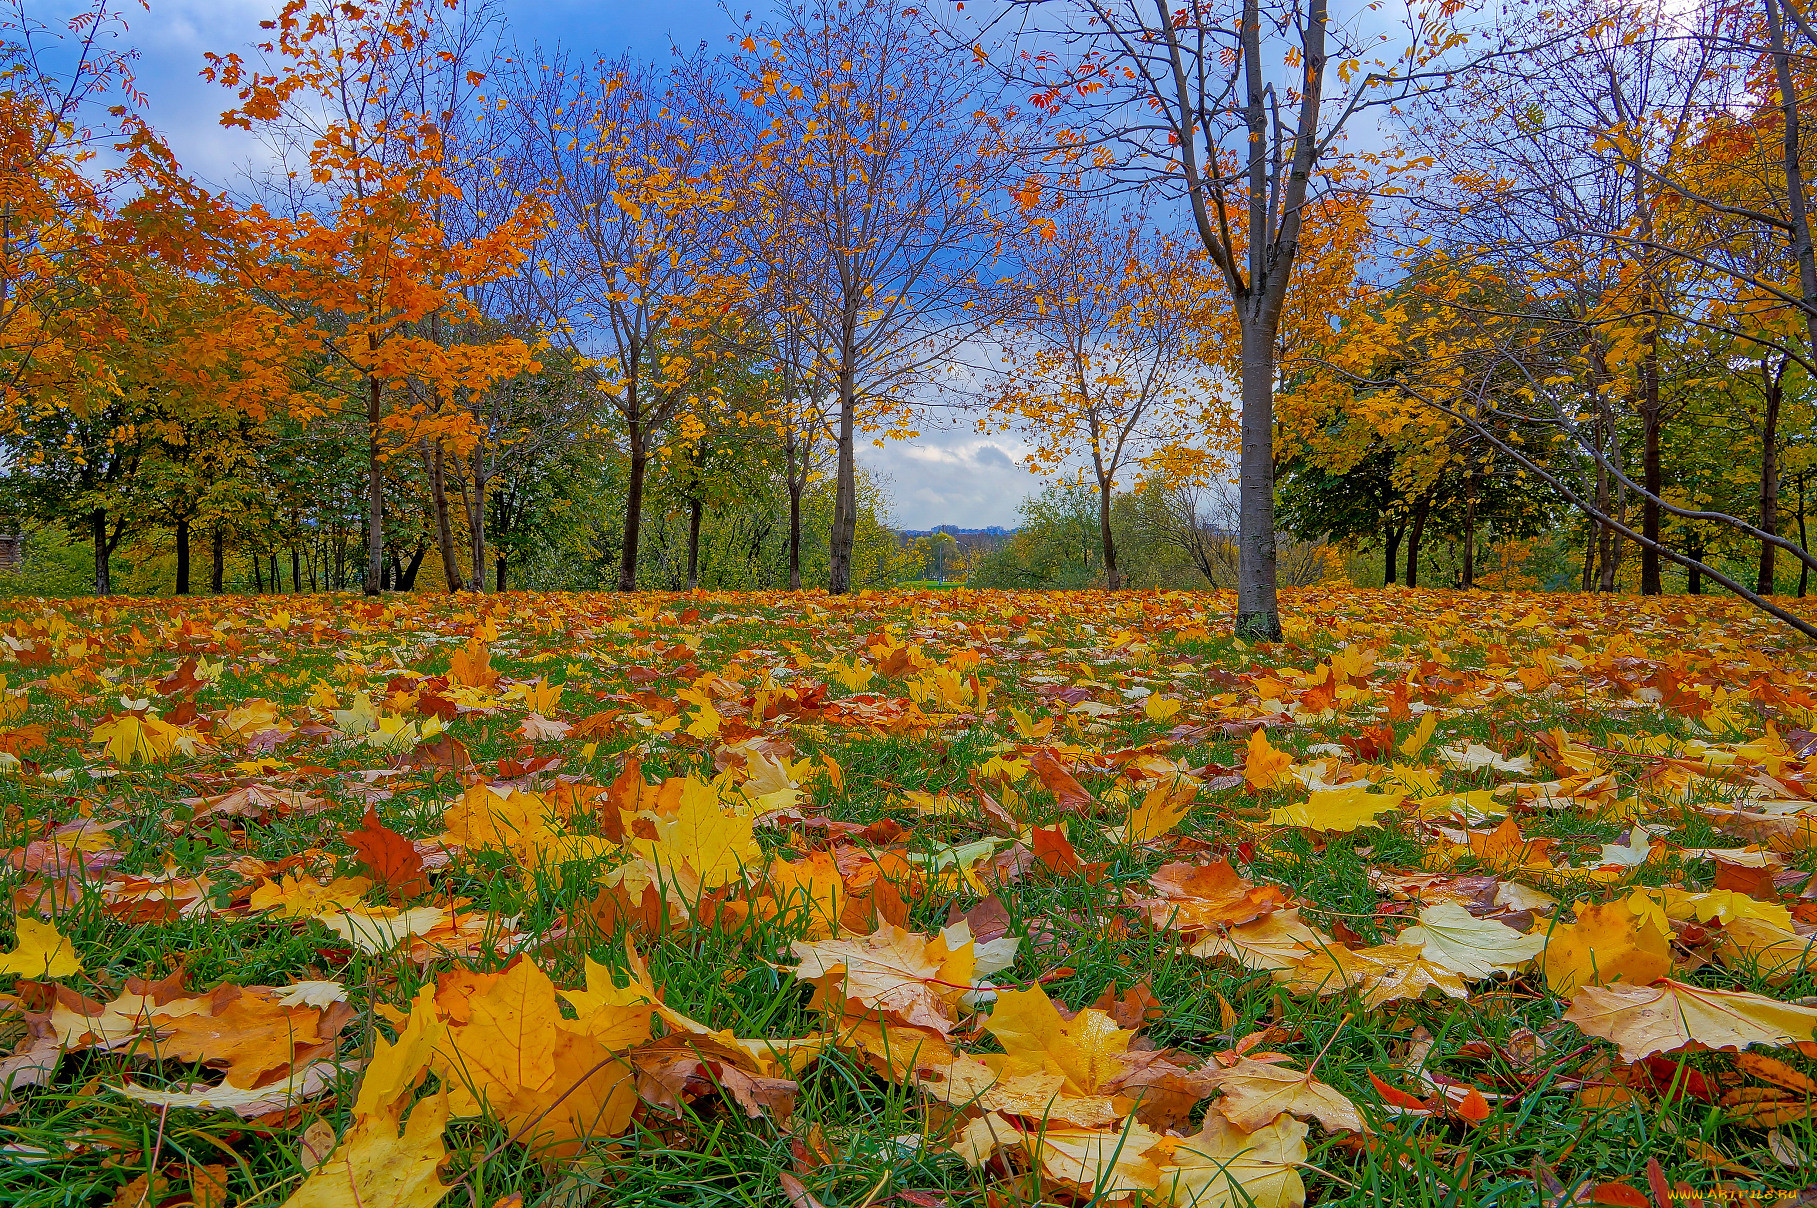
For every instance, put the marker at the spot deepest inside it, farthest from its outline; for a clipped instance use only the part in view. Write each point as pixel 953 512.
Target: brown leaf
pixel 1073 796
pixel 797 1192
pixel 988 920
pixel 249 1034
pixel 1053 851
pixel 181 682
pixel 1756 883
pixel 317 1144
pixel 1137 1007
pixel 389 857
pixel 1771 1069
pixel 446 752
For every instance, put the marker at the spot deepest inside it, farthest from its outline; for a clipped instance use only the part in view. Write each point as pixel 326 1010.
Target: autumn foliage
pixel 1156 929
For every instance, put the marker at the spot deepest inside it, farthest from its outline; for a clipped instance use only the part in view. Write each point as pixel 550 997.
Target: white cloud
pixel 953 477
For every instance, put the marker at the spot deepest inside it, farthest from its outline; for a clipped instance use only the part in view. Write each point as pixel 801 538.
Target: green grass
pixel 878 1139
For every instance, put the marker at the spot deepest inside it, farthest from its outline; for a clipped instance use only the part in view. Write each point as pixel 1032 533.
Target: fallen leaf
pixel 389 857
pixel 1669 1015
pixel 1256 1092
pixel 41 951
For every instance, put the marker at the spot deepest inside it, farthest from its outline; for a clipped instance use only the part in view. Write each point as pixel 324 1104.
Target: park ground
pixel 912 898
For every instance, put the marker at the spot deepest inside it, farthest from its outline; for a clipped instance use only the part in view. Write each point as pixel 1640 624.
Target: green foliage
pixel 1057 544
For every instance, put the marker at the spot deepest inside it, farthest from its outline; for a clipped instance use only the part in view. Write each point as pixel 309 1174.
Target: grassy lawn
pixel 639 900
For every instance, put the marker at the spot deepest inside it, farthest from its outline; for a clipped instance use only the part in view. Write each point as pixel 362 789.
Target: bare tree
pixel 1200 520
pixel 641 277
pixel 1103 357
pixel 1223 104
pixel 885 151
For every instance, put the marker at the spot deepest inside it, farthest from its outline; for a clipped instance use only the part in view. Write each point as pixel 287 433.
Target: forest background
pixel 1513 299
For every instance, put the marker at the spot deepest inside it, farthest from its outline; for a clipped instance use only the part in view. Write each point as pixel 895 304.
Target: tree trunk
pixel 182 557
pixel 1258 607
pixel 1413 539
pixel 296 571
pixel 375 487
pixel 501 570
pixel 258 575
pixel 434 461
pixel 845 494
pixel 1470 535
pixel 795 488
pixel 1655 481
pixel 104 585
pixel 406 578
pixel 634 507
pixel 1113 578
pixel 218 572
pixel 1605 534
pixel 1804 568
pixel 1391 552
pixel 1792 162
pixel 476 526
pixel 1769 480
pixel 694 511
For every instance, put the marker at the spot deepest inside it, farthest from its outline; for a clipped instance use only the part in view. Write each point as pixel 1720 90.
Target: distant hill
pixel 995 530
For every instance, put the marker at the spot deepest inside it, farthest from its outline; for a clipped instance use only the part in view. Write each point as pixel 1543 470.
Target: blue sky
pixel 944 477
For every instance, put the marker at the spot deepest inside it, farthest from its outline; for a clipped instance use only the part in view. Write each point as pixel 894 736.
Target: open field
pixel 640 900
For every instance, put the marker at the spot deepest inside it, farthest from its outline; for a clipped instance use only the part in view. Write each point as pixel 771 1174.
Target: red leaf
pixel 1073 796
pixel 1052 850
pixel 1656 1182
pixel 1669 1077
pixel 1394 1098
pixel 1618 1195
pixel 388 856
pixel 1473 1107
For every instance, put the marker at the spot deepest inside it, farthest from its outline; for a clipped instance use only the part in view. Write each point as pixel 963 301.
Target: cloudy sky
pixel 944 477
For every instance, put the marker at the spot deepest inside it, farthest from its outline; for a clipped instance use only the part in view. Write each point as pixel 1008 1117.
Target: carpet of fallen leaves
pixel 924 899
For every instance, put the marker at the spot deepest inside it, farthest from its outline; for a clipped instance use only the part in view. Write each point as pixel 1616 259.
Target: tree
pixel 358 258
pixel 1224 106
pixel 884 152
pixel 1103 358
pixel 641 275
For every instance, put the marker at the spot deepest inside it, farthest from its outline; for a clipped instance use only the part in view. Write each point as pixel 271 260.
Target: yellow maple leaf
pixel 1159 811
pixel 507 821
pixel 914 978
pixel 42 951
pixel 1452 938
pixel 516 1056
pixel 471 666
pixel 132 738
pixel 1416 742
pixel 1343 809
pixel 1104 1166
pixel 374 1164
pixel 1257 1092
pixel 1608 941
pixel 1660 1018
pixel 249 717
pixel 810 895
pixel 700 846
pixel 706 721
pixel 1160 708
pixel 1263 765
pixel 306 897
pixel 1223 1166
pixel 398 1067
pixel 1085 1049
